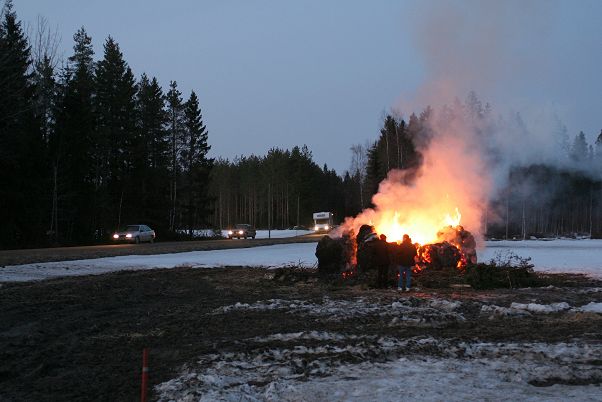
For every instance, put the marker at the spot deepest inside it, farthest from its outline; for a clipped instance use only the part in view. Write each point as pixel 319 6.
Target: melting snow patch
pixel 541 308
pixel 343 368
pixel 405 311
pixel 519 309
pixel 592 307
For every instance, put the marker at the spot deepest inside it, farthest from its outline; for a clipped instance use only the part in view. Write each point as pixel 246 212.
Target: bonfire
pixel 440 205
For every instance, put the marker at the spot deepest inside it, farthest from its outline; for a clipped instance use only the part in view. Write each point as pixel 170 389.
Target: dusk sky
pixel 323 73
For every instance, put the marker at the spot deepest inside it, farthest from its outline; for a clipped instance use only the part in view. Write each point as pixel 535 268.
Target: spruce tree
pixel 116 130
pixel 174 129
pixel 374 170
pixel 151 162
pixel 598 153
pixel 579 150
pixel 22 149
pixel 75 157
pixel 196 164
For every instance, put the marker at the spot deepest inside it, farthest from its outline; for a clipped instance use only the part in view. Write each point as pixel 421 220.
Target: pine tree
pixel 75 159
pixel 151 162
pixel 174 129
pixel 116 130
pixel 195 163
pixel 375 172
pixel 22 149
pixel 46 94
pixel 579 150
pixel 598 148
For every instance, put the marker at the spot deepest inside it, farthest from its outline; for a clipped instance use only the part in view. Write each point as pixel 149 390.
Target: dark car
pixel 242 230
pixel 135 234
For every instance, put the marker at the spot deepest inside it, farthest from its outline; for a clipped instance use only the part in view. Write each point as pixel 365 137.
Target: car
pixel 135 234
pixel 242 230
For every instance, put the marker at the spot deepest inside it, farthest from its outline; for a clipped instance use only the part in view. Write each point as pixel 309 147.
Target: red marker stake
pixel 144 374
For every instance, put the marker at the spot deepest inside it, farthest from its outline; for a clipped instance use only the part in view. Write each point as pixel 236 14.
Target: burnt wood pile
pixel 350 255
pixel 438 256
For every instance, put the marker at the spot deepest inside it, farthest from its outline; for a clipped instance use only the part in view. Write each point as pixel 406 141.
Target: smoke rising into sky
pixel 514 55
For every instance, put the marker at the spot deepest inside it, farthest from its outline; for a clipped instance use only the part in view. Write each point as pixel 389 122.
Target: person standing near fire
pixel 381 261
pixel 404 257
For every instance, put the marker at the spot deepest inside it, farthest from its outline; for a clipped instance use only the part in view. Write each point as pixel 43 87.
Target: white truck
pixel 323 221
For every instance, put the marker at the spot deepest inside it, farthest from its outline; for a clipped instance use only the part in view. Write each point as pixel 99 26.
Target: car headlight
pixel 230 232
pixel 326 227
pixel 240 232
pixel 129 235
pixel 316 228
pixel 115 236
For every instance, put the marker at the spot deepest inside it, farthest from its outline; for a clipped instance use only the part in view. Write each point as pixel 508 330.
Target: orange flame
pixel 421 227
pixel 450 180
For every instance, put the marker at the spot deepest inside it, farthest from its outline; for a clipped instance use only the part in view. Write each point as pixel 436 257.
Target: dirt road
pixel 27 256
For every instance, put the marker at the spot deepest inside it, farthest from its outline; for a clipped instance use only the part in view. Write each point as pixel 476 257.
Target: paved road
pixel 14 257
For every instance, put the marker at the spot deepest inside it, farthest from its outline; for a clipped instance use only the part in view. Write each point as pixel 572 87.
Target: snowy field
pixel 297 254
pixel 575 256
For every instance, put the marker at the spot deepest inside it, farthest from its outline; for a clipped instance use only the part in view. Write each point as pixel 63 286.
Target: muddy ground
pixel 82 338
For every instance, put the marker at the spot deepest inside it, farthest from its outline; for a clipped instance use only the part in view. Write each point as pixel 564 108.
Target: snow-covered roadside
pixel 297 254
pixel 261 234
pixel 573 256
pixel 277 234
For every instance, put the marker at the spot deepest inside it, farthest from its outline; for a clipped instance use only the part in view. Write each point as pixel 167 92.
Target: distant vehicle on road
pixel 135 234
pixel 323 221
pixel 242 230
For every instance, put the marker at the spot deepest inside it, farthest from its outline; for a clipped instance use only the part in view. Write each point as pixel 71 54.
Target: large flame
pixel 450 190
pixel 421 227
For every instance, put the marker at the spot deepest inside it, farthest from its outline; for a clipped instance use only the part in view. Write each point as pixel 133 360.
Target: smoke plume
pixel 493 48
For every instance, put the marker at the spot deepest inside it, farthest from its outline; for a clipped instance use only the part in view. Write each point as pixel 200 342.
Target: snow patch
pixel 541 308
pixel 356 368
pixel 411 311
pixel 592 307
pixel 520 309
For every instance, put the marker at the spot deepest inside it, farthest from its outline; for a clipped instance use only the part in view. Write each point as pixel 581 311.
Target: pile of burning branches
pixel 456 249
pixel 352 255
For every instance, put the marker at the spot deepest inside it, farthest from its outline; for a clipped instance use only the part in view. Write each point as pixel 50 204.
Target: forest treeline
pixel 86 146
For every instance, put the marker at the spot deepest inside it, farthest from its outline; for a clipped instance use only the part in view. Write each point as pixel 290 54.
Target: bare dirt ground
pixel 27 256
pixel 81 338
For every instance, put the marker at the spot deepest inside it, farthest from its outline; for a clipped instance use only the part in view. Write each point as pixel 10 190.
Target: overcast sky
pixel 323 73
